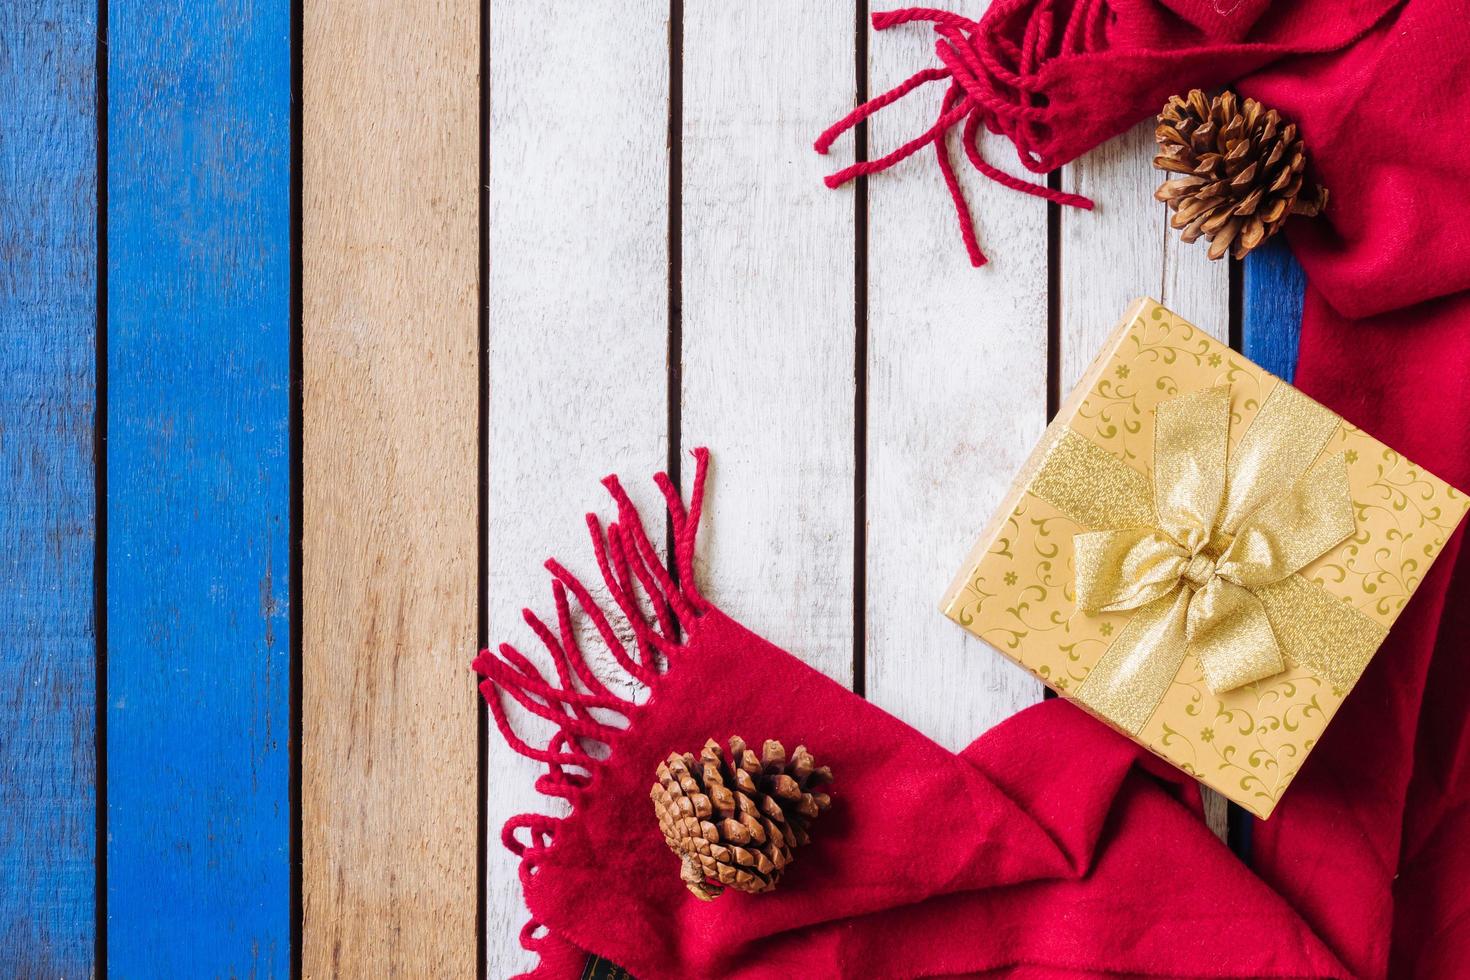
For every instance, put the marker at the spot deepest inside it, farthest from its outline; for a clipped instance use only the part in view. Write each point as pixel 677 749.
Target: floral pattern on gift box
pixel 1027 598
pixel 1404 518
pixel 1118 410
pixel 1254 737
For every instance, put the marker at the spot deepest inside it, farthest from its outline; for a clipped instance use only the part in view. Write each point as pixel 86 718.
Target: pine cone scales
pixel 1243 171
pixel 735 820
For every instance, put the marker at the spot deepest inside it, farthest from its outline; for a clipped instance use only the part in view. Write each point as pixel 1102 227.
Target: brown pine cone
pixel 734 820
pixel 1243 171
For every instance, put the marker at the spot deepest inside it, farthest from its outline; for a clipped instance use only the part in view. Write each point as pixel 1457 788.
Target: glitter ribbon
pixel 1209 558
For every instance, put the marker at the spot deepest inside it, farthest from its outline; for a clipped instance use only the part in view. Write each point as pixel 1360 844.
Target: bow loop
pixel 1191 439
pixel 1126 569
pixel 1288 533
pixel 1228 631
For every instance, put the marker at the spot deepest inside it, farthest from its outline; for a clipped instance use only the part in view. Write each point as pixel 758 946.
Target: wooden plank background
pixel 538 242
pixel 390 208
pixel 765 356
pixel 1122 250
pixel 578 285
pixel 198 489
pixel 48 296
pixel 957 397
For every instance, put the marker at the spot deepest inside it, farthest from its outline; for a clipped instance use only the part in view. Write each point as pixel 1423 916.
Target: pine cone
pixel 1242 170
pixel 734 820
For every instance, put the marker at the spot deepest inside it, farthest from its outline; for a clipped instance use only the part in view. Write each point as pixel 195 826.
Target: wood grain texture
pixel 198 489
pixel 578 336
pixel 1125 249
pixel 389 287
pixel 768 331
pixel 1122 250
pixel 957 393
pixel 48 294
pixel 1271 307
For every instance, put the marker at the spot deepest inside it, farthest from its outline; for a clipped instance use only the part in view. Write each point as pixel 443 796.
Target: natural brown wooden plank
pixel 389 251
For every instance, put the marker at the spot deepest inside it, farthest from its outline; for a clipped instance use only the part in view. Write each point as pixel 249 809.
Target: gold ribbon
pixel 1209 563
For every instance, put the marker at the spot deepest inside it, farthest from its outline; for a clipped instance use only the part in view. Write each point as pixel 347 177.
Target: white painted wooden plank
pixel 578 281
pixel 768 333
pixel 1122 250
pixel 957 390
pixel 1125 249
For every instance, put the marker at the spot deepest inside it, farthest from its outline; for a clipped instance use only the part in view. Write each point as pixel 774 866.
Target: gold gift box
pixel 1017 590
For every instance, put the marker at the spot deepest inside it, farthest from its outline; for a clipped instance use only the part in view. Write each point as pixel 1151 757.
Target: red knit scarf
pixel 1052 847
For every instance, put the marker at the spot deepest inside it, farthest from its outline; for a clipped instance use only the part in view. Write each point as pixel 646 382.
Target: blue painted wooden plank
pixel 198 477
pixel 1271 308
pixel 48 307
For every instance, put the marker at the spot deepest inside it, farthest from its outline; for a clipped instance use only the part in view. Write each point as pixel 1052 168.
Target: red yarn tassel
pixel 992 65
pixel 628 563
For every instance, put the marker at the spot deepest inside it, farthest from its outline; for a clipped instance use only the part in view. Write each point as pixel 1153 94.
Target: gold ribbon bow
pixel 1229 530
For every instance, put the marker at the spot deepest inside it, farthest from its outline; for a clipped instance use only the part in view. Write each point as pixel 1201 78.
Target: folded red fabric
pixel 1022 851
pixel 1052 847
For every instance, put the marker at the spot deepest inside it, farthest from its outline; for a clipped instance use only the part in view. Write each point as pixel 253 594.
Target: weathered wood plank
pixel 1123 250
pixel 198 489
pixel 389 285
pixel 578 335
pixel 48 308
pixel 768 332
pixel 1271 308
pixel 957 394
